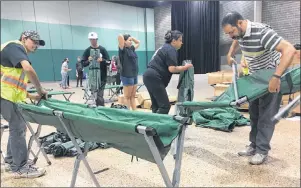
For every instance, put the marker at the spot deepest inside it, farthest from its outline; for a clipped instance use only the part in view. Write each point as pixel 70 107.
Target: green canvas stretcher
pixel 249 88
pixel 145 135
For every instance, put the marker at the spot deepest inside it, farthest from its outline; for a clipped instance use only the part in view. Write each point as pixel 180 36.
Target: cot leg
pixel 79 151
pixel 173 149
pixel 75 170
pixel 151 143
pixel 37 141
pixel 67 98
pixel 180 148
pixel 113 94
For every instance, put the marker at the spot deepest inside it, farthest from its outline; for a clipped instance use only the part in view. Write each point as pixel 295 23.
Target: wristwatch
pixel 276 76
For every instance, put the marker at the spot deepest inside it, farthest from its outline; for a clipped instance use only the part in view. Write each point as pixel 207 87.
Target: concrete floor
pixel 209 159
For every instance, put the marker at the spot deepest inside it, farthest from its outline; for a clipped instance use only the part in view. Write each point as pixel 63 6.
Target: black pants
pixel 100 100
pixel 80 75
pixel 262 128
pixel 157 92
pixel 68 81
pixel 118 81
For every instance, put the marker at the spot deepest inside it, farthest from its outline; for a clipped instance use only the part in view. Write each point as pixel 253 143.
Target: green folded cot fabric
pixel 117 127
pixel 185 88
pixel 224 119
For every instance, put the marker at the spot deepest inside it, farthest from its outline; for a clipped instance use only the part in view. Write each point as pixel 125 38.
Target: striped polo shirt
pixel 258 46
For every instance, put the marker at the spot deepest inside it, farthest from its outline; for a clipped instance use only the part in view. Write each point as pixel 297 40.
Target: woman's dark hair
pixel 297 46
pixel 64 60
pixel 170 35
pixel 231 18
pixel 126 37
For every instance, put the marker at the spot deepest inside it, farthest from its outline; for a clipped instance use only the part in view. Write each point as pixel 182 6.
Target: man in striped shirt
pixel 262 48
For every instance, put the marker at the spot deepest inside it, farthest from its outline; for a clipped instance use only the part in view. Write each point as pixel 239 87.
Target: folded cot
pixel 145 135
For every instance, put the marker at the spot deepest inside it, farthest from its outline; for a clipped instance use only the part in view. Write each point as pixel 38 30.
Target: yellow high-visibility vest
pixel 13 80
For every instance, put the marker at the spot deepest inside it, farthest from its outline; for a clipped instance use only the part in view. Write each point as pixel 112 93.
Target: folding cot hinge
pixel 239 102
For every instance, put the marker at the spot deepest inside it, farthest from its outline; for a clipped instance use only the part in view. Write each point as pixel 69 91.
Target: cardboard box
pixel 172 99
pixel 142 97
pixel 121 100
pixel 219 89
pixel 220 77
pixel 147 104
pixel 285 98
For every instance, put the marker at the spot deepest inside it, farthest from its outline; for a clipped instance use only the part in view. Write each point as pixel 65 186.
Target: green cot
pixel 145 135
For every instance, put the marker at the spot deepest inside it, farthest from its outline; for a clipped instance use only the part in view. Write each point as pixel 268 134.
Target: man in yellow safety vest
pixel 16 70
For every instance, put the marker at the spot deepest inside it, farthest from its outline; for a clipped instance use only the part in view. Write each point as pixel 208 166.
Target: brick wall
pixel 284 18
pixel 162 23
pixel 245 8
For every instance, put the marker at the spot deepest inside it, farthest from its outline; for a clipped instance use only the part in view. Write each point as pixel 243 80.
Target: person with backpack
pixel 79 72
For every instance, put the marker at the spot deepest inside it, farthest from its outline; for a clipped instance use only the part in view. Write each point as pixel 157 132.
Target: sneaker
pixel 248 151
pixel 29 172
pixel 258 159
pixel 7 167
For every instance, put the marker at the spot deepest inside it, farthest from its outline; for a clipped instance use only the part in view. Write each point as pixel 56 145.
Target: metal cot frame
pixel 148 134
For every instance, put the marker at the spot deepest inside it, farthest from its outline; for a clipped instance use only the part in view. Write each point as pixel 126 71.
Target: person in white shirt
pixel 64 72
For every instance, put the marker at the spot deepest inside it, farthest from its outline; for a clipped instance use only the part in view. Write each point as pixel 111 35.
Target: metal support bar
pixel 80 153
pixel 154 150
pixel 38 143
pixel 286 109
pixel 234 80
pixel 178 156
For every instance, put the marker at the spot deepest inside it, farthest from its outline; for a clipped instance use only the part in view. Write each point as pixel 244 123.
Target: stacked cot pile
pixel 143 100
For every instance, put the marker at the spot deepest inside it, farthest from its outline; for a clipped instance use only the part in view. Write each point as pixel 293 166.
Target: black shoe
pixel 81 86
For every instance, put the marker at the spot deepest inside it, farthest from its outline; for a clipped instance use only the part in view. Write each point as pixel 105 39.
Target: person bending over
pixel 262 48
pixel 16 70
pixel 104 56
pixel 160 69
pixel 129 72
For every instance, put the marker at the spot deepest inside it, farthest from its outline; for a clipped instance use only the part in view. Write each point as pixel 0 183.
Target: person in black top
pixel 129 71
pixel 104 56
pixel 160 69
pixel 80 73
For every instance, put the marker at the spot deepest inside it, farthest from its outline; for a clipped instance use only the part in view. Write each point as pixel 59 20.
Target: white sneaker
pixel 248 151
pixel 258 159
pixel 29 171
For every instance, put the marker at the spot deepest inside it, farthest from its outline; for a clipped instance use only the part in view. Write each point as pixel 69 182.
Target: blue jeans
pixel 16 147
pixel 64 79
pixel 129 81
